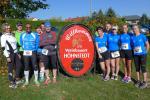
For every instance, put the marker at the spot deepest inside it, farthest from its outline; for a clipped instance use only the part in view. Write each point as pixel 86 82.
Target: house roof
pixel 132 17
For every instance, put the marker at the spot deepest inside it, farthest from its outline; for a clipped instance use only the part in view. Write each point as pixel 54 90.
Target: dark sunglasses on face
pixel 28 27
pixel 8 28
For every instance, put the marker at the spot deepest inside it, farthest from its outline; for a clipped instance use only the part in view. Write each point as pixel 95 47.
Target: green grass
pixel 88 87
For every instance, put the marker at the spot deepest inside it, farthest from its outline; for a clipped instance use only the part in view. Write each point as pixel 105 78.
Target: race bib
pixel 102 49
pixel 115 54
pixel 44 51
pixel 124 46
pixel 27 53
pixel 137 49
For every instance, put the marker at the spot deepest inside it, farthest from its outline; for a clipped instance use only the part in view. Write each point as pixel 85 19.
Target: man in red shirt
pixel 48 57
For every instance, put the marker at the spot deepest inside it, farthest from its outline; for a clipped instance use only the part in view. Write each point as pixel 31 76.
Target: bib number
pixel 115 54
pixel 137 49
pixel 102 49
pixel 27 53
pixel 44 51
pixel 125 46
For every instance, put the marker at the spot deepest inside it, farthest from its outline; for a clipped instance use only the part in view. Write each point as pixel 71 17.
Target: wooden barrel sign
pixel 76 50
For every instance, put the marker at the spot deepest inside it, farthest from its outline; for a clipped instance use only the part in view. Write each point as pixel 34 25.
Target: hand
pixel 8 60
pixel 19 56
pixel 100 56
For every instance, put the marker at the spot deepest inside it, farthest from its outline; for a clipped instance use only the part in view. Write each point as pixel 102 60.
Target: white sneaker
pixel 116 77
pixel 37 83
pixel 25 84
pixel 112 77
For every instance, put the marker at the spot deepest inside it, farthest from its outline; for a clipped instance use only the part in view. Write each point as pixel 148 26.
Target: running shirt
pixel 125 41
pixel 13 42
pixel 102 42
pixel 29 41
pixel 17 36
pixel 138 43
pixel 113 41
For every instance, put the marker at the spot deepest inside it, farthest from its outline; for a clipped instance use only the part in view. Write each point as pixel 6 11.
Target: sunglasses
pixel 8 28
pixel 28 27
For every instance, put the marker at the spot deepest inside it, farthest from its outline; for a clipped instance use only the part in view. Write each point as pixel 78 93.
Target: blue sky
pixel 74 8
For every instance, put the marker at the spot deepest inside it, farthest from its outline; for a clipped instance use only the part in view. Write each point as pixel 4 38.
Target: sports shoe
pixel 41 79
pixel 106 78
pixel 12 85
pixel 19 82
pixel 37 83
pixel 128 80
pixel 25 84
pixel 137 84
pixel 47 81
pixel 143 85
pixel 124 79
pixel 116 77
pixel 112 77
pixel 54 80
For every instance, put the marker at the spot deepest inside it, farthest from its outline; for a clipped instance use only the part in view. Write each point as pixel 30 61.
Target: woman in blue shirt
pixel 113 47
pixel 101 46
pixel 126 53
pixel 140 48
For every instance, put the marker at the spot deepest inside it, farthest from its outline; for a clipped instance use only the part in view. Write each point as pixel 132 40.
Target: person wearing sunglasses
pixel 140 47
pixel 30 42
pixel 114 48
pixel 9 47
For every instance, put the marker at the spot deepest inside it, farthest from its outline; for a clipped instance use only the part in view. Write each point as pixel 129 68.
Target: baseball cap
pixel 115 27
pixel 47 24
pixel 19 23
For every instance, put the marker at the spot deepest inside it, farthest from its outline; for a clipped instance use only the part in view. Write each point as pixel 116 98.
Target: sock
pixel 26 73
pixel 47 74
pixel 36 75
pixel 42 72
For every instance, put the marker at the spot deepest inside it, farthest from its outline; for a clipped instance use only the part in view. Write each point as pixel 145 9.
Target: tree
pixel 94 14
pixel 100 13
pixel 20 8
pixel 110 13
pixel 144 20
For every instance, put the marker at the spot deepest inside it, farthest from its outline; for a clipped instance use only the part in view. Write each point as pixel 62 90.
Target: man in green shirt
pixel 17 34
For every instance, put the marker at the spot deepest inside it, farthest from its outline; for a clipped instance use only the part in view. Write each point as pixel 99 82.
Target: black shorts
pixel 114 54
pixel 140 62
pixel 105 56
pixel 50 60
pixel 128 54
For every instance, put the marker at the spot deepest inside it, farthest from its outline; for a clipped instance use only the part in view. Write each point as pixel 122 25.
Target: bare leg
pixel 117 65
pixel 54 75
pixel 145 76
pixel 107 67
pixel 125 67
pixel 129 62
pixel 112 61
pixel 102 65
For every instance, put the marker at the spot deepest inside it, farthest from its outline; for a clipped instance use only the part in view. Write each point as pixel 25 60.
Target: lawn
pixel 87 87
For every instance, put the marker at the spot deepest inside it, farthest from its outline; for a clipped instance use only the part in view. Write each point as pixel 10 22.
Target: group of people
pixel 24 49
pixel 112 46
